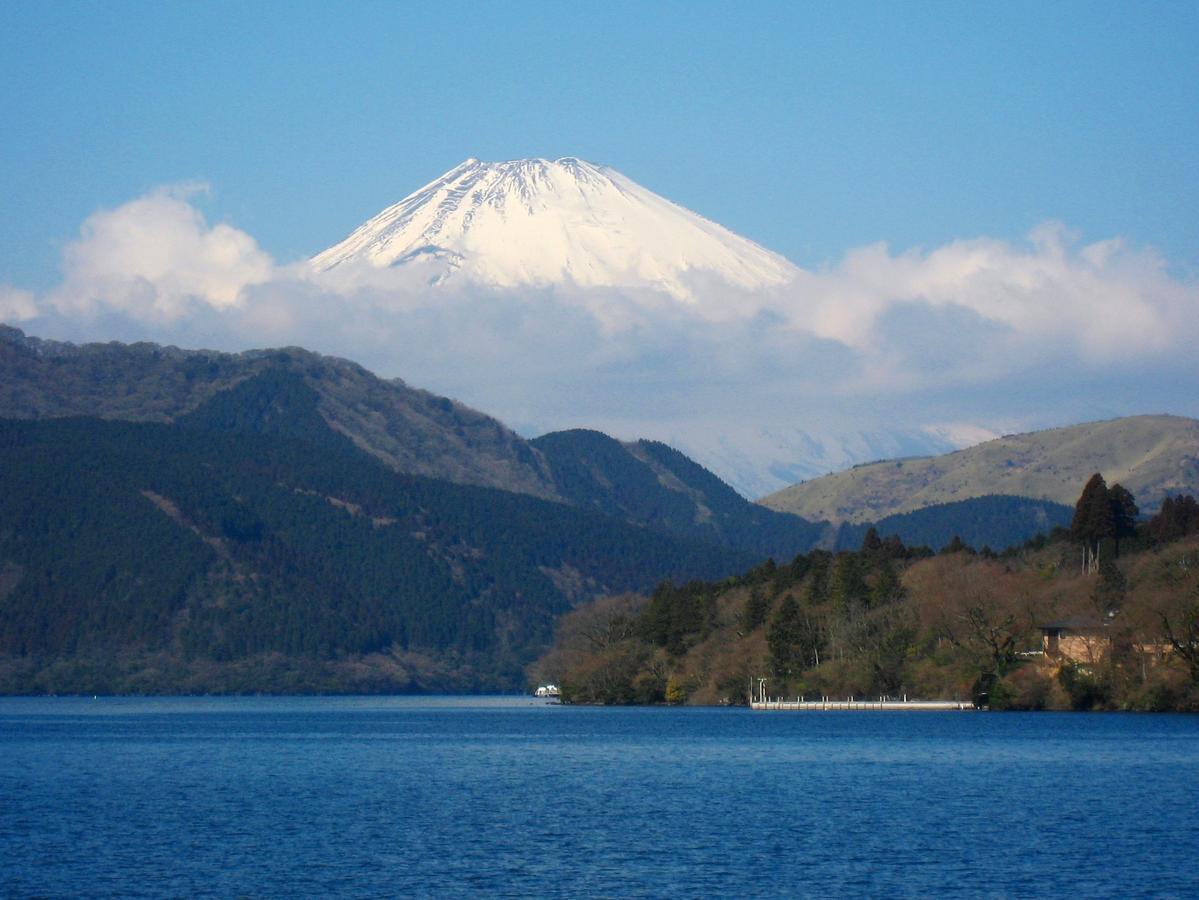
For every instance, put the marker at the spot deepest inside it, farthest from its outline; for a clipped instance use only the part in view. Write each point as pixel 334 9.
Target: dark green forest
pixel 997 521
pixel 292 392
pixel 201 542
pixel 594 471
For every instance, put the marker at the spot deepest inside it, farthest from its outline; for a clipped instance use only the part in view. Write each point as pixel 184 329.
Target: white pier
pixel 759 699
pixel 856 705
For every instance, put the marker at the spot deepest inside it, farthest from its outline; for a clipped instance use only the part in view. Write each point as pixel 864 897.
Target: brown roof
pixel 1078 624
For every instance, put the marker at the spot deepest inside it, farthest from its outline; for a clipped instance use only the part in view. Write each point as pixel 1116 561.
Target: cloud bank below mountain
pixel 885 352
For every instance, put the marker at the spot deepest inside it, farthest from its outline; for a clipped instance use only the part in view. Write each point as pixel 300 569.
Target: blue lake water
pixel 283 797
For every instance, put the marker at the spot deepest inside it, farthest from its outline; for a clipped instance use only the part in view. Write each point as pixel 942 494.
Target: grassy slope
pixel 1150 455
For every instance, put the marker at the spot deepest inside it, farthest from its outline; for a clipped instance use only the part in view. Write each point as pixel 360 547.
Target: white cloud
pixel 873 356
pixel 155 258
pixel 16 305
pixel 1105 301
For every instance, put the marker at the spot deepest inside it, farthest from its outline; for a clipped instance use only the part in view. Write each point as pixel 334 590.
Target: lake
pixel 448 796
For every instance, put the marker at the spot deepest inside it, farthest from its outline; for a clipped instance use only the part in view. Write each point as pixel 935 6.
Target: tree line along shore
pixel 1103 615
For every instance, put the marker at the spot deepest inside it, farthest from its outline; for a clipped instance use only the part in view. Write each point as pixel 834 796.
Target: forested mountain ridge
pixel 410 430
pixel 651 483
pixel 993 521
pixel 195 556
pixel 1150 455
pixel 416 432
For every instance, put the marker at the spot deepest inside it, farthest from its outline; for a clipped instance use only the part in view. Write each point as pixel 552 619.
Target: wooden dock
pixel 822 705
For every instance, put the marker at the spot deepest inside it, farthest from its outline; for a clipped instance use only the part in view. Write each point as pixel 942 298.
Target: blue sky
pixel 995 205
pixel 811 128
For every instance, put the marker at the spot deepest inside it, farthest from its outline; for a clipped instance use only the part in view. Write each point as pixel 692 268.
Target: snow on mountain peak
pixel 546 222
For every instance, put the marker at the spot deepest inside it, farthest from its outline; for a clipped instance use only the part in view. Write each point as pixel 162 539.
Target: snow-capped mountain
pixel 603 244
pixel 537 222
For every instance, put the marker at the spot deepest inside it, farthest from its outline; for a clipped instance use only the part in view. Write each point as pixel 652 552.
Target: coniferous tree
pixel 1178 517
pixel 756 608
pixel 1188 514
pixel 1108 594
pixel 783 639
pixel 887 586
pixel 957 545
pixel 1162 526
pixel 847 584
pixel 1124 512
pixel 818 579
pixel 871 542
pixel 1093 520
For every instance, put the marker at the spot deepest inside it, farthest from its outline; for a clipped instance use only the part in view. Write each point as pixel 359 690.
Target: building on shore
pixel 1075 640
pixel 1087 641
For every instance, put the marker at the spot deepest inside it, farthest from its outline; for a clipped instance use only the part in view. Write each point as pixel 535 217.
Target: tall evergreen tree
pixel 1178 517
pixel 1094 519
pixel 818 578
pixel 1124 512
pixel 887 586
pixel 1163 526
pixel 871 542
pixel 957 545
pixel 1108 595
pixel 847 585
pixel 757 606
pixel 783 638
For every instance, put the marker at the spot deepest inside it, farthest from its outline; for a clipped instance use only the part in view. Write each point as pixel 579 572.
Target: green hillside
pixel 168 557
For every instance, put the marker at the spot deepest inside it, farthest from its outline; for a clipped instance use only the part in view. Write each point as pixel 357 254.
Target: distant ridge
pixel 1152 456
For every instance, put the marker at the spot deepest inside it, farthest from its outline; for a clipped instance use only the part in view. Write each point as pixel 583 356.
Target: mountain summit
pixel 539 222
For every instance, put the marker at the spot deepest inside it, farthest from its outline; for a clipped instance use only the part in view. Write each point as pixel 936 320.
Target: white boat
pixel 547 690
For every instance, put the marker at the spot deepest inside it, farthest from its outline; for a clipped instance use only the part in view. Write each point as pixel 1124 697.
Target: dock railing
pixel 827 703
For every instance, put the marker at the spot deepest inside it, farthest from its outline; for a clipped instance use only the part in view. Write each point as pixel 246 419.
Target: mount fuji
pixel 539 222
pixel 589 237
